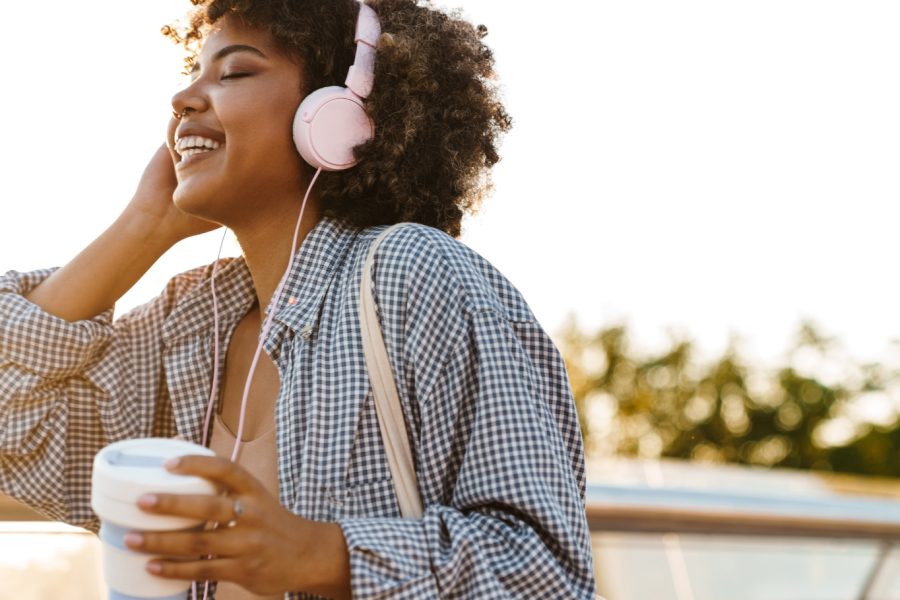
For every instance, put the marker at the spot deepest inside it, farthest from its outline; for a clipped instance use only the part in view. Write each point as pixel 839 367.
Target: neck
pixel 266 245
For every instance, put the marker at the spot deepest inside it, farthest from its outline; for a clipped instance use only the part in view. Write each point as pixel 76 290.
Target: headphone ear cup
pixel 329 123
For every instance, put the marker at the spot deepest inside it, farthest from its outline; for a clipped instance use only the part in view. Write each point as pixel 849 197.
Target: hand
pixel 153 199
pixel 267 549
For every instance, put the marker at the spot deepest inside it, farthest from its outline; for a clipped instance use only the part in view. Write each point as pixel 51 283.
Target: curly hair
pixel 435 103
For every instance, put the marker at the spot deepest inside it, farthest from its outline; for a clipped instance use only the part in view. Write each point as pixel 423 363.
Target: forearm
pixel 95 279
pixel 474 555
pixel 331 565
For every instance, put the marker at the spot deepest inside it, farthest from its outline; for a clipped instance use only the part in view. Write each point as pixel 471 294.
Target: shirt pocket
pixel 371 499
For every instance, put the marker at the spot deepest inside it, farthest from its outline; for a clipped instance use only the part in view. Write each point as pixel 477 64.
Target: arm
pixel 68 389
pixel 151 224
pixel 68 382
pixel 501 477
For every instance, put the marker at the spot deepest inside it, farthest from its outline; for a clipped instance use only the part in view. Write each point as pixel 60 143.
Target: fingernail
pixel 147 501
pixel 134 539
pixel 172 463
pixel 154 567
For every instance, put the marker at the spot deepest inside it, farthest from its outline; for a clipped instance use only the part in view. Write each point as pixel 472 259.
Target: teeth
pixel 192 151
pixel 185 144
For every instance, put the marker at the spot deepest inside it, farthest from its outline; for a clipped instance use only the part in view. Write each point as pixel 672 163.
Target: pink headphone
pixel 332 120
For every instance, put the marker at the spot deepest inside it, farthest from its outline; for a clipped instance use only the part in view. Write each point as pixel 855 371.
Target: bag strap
pixel 387 400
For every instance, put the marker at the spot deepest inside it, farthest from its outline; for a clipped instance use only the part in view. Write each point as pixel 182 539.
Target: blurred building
pixel 661 530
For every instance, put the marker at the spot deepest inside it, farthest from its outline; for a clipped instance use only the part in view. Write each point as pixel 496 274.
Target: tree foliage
pixel 820 410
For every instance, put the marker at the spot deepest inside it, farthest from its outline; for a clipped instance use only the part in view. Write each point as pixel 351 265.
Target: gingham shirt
pixel 489 412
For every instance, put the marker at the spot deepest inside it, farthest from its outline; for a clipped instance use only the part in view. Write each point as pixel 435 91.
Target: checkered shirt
pixel 489 413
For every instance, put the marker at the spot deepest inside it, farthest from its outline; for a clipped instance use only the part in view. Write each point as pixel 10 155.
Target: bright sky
pixel 707 166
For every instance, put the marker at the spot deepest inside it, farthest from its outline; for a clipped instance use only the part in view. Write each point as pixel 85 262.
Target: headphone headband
pixel 361 75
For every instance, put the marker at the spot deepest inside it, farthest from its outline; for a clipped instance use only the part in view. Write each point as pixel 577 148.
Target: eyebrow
pixel 229 50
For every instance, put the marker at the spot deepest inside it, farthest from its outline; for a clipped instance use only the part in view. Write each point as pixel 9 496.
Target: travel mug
pixel 123 472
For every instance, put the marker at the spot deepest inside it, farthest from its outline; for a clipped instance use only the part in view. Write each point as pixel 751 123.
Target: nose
pixel 190 99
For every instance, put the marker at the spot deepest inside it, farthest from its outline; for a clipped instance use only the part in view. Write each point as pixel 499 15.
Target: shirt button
pixel 306 332
pixel 292 300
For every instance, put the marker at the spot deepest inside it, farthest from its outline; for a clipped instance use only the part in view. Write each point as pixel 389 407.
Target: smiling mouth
pixel 193 145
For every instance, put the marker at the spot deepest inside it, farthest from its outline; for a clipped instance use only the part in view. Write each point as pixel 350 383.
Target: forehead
pixel 231 30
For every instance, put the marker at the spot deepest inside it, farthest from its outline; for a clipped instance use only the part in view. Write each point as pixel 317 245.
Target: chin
pixel 198 203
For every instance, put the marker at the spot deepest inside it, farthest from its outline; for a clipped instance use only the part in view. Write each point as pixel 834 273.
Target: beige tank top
pixel 260 458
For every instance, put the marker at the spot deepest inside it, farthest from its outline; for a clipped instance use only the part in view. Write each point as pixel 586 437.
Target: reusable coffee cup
pixel 123 472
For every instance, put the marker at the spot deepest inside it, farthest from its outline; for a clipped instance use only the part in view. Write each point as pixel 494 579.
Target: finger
pixel 203 508
pixel 216 469
pixel 216 569
pixel 170 133
pixel 225 542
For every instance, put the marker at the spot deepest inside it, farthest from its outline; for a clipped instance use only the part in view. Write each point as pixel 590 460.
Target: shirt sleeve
pixel 69 388
pixel 501 467
pixel 27 332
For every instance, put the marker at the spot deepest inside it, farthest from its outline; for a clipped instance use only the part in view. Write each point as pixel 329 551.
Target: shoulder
pixel 186 294
pixel 184 283
pixel 189 281
pixel 427 265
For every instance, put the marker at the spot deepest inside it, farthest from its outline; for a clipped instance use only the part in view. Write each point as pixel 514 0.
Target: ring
pixel 238 509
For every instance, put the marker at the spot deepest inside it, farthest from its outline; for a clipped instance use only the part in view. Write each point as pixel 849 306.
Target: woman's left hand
pixel 266 549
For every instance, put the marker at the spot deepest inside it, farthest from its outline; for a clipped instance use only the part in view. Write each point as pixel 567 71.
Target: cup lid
pixel 127 469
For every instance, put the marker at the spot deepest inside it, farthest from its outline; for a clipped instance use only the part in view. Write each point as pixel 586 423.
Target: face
pixel 233 148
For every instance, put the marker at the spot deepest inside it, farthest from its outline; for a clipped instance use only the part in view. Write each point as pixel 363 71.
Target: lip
pixel 188 129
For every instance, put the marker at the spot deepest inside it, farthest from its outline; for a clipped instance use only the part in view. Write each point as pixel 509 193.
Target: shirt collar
pixel 314 267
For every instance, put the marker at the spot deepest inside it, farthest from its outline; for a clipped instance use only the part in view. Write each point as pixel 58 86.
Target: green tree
pixel 725 410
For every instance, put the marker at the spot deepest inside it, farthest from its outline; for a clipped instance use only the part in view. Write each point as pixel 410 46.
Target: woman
pixel 490 418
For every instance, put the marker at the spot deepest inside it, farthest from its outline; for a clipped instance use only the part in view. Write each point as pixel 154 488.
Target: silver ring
pixel 238 509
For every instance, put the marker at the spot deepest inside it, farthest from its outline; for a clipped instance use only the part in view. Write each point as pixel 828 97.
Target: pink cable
pixel 272 310
pixel 215 382
pixel 262 340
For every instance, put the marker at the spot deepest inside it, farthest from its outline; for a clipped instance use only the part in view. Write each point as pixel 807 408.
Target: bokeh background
pixel 699 199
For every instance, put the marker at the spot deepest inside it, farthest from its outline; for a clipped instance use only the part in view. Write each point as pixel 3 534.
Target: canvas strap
pixel 387 400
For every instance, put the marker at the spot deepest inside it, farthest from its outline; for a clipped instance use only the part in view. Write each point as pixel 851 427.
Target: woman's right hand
pixel 94 280
pixel 153 199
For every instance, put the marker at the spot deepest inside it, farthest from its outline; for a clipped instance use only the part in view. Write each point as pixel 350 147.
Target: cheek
pixel 267 115
pixel 265 147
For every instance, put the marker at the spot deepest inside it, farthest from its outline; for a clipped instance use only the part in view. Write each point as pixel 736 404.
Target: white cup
pixel 123 472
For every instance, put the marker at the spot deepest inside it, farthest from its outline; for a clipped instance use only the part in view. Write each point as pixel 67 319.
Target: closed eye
pixel 236 75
